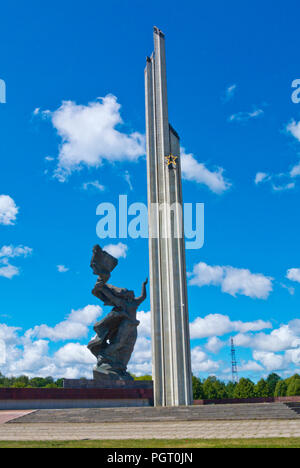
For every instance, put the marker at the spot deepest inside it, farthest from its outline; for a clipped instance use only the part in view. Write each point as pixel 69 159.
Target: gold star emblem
pixel 171 160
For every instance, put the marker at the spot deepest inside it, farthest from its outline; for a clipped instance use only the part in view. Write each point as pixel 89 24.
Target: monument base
pixel 79 394
pixel 108 383
pixel 104 375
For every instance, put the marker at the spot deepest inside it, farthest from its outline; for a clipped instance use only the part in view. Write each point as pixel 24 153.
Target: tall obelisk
pixel 169 306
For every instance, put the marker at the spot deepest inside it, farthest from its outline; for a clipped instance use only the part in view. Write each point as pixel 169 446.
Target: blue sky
pixel 230 70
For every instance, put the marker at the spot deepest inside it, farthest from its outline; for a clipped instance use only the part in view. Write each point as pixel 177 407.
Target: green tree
pixel 272 381
pixel 19 384
pixel 221 389
pixel 281 388
pixel 244 389
pixel 22 381
pixel 209 389
pixel 5 382
pixel 294 386
pixel 197 388
pixel 49 380
pixel 59 383
pixel 230 387
pixel 263 389
pixel 38 382
pixel 214 389
pixel 143 377
pixel 292 378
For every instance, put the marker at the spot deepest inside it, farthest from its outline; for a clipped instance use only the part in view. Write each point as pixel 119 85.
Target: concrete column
pixel 168 288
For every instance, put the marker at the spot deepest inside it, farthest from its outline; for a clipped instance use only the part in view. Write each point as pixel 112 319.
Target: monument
pixel 169 307
pixel 112 346
pixel 116 333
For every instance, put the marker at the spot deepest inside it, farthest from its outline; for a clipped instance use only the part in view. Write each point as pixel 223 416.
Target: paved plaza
pixel 6 416
pixel 211 422
pixel 151 430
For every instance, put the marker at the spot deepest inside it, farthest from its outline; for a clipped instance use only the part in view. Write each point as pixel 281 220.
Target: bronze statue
pixel 117 332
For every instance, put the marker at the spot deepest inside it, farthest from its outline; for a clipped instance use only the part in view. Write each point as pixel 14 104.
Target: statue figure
pixel 116 333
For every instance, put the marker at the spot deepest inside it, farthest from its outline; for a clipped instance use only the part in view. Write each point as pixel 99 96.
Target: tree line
pixel 25 382
pixel 214 389
pixel 273 386
pixel 207 389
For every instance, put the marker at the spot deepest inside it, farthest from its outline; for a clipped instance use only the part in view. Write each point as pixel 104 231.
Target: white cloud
pixel 275 351
pixel 232 280
pixel 242 281
pixel 214 344
pixel 32 358
pixel 127 177
pixel 229 93
pixel 295 171
pixel 201 363
pixel 279 182
pixel 142 351
pixel 117 250
pixel 8 210
pixel 91 133
pixel 283 181
pixel 141 359
pixel 284 187
pixel 26 355
pixel 261 177
pixel 195 171
pixel 75 326
pixel 9 251
pixel 293 356
pixel 294 129
pixel 62 268
pixel 9 334
pixel 205 275
pixel 294 325
pixel 293 274
pixel 281 339
pixel 93 184
pixel 144 328
pixel 2 352
pixel 30 353
pixel 244 116
pixel 74 354
pixel 9 271
pixel 251 366
pixel 270 361
pixel 290 289
pixel 217 325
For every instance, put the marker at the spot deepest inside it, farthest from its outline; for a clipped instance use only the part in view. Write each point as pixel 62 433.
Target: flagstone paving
pixel 151 430
pixel 202 422
pixel 6 416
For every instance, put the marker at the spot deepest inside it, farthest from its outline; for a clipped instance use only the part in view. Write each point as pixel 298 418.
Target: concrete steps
pixel 229 412
pixel 295 407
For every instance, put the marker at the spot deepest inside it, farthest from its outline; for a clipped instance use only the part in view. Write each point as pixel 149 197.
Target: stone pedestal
pixel 108 383
pixel 77 394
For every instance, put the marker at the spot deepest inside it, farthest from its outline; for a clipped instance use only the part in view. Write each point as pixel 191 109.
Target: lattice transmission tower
pixel 235 376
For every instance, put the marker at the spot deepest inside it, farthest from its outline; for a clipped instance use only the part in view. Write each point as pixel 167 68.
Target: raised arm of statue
pixel 143 296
